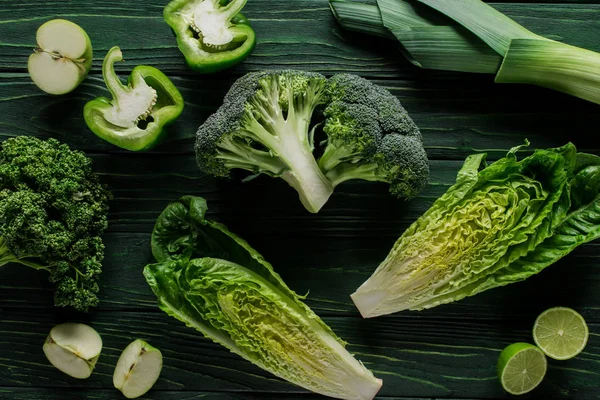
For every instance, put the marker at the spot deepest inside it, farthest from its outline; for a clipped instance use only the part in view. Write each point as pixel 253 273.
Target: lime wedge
pixel 560 332
pixel 521 367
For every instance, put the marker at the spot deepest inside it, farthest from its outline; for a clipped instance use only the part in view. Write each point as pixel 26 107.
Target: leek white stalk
pixel 553 65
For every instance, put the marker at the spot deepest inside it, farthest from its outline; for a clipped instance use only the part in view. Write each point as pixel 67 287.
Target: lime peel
pixel 561 333
pixel 521 368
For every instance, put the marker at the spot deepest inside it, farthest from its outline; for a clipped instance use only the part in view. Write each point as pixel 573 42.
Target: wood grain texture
pixel 417 357
pixel 295 34
pixel 92 394
pixel 458 114
pixel 448 352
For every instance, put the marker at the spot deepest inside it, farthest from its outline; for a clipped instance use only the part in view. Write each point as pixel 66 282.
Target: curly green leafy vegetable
pixel 213 281
pixel 52 215
pixel 498 224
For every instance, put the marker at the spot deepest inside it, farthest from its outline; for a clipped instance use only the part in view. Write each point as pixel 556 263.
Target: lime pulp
pixel 560 332
pixel 521 368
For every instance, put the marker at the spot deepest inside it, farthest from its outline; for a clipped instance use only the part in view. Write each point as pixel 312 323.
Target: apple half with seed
pixel 74 349
pixel 62 58
pixel 138 369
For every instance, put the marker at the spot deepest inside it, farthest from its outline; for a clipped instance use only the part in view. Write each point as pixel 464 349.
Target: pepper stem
pixel 113 83
pixel 233 8
pixel 131 103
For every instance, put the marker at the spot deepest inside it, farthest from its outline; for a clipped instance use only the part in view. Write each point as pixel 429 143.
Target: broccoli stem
pixel 333 156
pixel 302 172
pixel 347 171
pixel 289 138
pixel 305 176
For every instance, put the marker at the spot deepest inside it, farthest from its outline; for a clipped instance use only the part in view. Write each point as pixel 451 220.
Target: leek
pixel 472 36
pixel 553 65
pixel 360 17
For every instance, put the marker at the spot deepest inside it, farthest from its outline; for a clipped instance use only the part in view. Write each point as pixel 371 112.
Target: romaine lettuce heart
pixel 464 244
pixel 213 281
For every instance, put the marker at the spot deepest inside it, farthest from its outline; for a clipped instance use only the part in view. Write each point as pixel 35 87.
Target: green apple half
pixel 63 57
pixel 74 349
pixel 138 369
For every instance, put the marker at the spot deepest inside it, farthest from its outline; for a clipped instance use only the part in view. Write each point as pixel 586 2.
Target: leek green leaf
pixel 434 41
pixel 402 14
pixel 359 17
pixel 487 23
pixel 448 48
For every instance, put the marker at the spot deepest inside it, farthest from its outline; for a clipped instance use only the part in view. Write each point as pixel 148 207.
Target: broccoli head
pixel 52 213
pixel 267 124
pixel 370 136
pixel 264 126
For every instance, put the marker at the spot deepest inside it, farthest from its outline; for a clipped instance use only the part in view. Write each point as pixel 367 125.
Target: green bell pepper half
pixel 138 113
pixel 211 34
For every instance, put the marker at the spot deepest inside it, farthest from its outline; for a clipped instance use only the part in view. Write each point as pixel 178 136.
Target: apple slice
pixel 74 349
pixel 63 57
pixel 138 369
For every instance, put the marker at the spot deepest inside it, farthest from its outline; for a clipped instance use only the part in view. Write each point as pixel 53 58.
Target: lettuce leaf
pixel 498 224
pixel 581 225
pixel 213 281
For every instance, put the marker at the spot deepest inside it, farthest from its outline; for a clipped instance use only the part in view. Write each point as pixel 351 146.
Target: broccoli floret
pixel 371 137
pixel 52 213
pixel 264 126
pixel 267 124
pixel 353 134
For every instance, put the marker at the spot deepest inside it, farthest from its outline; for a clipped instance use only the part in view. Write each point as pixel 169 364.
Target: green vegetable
pixel 212 34
pixel 428 39
pixel 52 215
pixel 213 281
pixel 267 125
pixel 371 137
pixel 136 117
pixel 471 36
pixel 497 225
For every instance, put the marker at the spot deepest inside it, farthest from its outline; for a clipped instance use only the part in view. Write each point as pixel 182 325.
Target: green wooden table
pixel 449 352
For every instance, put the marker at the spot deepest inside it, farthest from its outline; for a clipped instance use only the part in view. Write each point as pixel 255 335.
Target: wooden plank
pixel 457 117
pixel 297 34
pixel 449 351
pixel 352 234
pixel 93 394
pixel 416 357
pixel 347 262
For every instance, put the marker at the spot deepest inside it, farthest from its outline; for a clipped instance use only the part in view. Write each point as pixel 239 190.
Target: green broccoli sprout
pixel 53 211
pixel 267 125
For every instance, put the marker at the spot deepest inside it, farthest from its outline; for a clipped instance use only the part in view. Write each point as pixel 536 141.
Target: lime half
pixel 560 332
pixel 521 367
